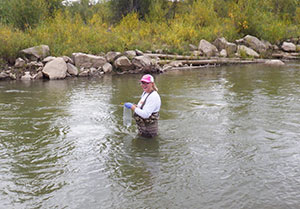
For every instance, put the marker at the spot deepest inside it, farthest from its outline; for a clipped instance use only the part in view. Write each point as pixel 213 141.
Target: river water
pixel 229 137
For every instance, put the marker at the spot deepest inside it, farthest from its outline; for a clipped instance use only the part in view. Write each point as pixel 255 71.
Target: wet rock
pixel 4 76
pixel 84 73
pixel 38 75
pixel 274 62
pixel 56 69
pixel 26 77
pixel 107 68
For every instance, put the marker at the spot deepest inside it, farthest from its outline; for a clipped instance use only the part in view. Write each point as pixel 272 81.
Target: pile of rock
pixel 248 46
pixel 35 63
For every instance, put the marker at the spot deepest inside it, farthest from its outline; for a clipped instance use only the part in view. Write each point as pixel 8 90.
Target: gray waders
pixel 147 127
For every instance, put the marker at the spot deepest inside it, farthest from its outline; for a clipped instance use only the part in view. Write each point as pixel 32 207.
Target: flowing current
pixel 229 137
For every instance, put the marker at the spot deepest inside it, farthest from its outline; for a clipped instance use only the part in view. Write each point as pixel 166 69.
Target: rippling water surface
pixel 229 138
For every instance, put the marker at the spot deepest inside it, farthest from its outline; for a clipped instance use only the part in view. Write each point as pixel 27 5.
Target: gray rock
pixel 223 53
pixel 111 56
pixel 107 68
pixel 176 64
pixel 141 61
pixel 48 59
pixel 88 60
pixel 38 75
pixel 67 59
pixel 12 76
pixel 207 48
pixel 72 69
pixel 222 43
pixel 56 69
pixel 36 53
pixel 4 76
pixel 20 63
pixel 197 53
pixel 130 54
pixel 84 73
pixel 139 52
pixel 288 47
pixel 26 77
pixel 35 64
pixel 274 62
pixel 123 63
pixel 255 44
pixel 248 51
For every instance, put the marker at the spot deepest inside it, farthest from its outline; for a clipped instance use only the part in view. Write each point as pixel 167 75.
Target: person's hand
pixel 128 105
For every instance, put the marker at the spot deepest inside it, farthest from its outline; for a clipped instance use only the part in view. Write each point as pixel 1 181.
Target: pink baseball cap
pixel 147 78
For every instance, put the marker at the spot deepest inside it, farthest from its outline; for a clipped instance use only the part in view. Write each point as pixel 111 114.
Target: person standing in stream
pixel 146 112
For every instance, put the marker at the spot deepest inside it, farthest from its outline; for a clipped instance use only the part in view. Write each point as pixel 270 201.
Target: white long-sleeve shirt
pixel 152 104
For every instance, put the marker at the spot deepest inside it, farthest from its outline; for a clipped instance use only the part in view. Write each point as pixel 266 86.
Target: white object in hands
pixel 127 117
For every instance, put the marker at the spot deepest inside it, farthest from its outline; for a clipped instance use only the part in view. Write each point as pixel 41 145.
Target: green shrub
pixel 11 42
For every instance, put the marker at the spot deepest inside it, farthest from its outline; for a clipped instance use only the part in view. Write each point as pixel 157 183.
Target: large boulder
pixel 254 43
pixel 207 48
pixel 222 43
pixel 288 47
pixel 56 69
pixel 247 51
pixel 123 63
pixel 141 61
pixel 82 60
pixel 36 53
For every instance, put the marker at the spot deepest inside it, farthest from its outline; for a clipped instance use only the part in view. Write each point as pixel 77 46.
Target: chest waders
pixel 147 127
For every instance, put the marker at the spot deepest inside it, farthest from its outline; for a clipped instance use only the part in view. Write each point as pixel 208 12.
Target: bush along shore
pixel 37 63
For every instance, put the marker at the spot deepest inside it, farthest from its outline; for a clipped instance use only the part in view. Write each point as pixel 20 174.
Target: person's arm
pixel 151 105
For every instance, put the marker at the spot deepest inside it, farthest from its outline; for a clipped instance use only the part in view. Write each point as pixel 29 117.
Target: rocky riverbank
pixel 37 63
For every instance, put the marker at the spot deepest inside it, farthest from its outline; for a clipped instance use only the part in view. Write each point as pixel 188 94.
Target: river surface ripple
pixel 229 138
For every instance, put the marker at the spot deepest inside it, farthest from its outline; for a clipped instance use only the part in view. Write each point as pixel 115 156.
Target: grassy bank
pixel 66 31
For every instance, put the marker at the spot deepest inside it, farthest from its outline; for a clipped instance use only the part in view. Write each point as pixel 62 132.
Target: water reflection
pixel 228 138
pixel 34 140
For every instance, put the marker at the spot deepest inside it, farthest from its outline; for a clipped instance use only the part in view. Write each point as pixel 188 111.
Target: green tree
pixel 121 8
pixel 24 14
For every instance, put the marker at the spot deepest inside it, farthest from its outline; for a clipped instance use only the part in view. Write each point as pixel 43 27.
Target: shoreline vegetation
pixel 42 39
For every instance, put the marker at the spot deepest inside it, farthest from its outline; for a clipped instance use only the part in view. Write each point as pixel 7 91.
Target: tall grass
pixel 67 32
